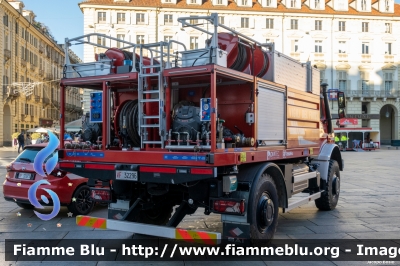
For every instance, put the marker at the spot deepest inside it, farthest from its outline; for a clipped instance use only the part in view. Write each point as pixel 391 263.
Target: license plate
pixel 24 176
pixel 126 175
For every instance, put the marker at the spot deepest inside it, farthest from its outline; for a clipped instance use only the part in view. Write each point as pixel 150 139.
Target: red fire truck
pixel 235 128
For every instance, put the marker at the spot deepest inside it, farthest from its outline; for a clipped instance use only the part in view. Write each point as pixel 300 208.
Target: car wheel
pixel 83 203
pixel 26 206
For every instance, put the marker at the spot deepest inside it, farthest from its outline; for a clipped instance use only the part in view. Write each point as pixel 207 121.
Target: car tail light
pixel 9 168
pixel 229 206
pixel 58 173
pixel 101 194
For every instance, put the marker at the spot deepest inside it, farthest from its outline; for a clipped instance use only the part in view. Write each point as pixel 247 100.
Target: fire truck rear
pixel 235 128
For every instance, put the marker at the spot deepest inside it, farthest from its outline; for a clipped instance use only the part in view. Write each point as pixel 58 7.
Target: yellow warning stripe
pixel 93 222
pixel 197 236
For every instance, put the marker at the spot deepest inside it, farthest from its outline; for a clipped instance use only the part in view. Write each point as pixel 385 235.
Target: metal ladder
pixel 157 95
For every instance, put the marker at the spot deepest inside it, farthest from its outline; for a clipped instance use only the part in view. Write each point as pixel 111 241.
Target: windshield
pixel 29 154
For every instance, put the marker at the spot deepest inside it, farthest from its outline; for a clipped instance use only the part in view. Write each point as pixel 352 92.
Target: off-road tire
pixel 83 203
pixel 329 198
pixel 263 199
pixel 25 206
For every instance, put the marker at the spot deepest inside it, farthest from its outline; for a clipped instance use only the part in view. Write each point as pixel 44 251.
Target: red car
pixel 70 188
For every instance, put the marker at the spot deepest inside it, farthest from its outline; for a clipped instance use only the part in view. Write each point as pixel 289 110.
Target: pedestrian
pixel 21 141
pixel 28 139
pixel 15 143
pixel 343 139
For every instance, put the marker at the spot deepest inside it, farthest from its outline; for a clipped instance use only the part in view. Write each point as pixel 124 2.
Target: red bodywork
pixel 15 189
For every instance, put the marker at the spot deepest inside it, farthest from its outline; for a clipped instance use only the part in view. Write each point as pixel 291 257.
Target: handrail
pixel 213 19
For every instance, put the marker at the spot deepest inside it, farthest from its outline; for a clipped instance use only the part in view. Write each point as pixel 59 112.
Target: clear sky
pixel 63 17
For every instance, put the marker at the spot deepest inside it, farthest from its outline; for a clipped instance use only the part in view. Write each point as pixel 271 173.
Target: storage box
pixel 200 57
pixel 92 69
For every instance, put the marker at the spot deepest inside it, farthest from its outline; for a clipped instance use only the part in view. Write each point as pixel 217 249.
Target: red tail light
pixel 9 168
pixel 230 206
pixel 101 194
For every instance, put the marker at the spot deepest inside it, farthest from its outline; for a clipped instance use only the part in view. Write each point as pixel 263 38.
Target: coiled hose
pixel 241 58
pixel 266 63
pixel 130 112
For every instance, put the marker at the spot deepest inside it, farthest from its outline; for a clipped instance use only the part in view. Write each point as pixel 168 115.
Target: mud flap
pixel 236 232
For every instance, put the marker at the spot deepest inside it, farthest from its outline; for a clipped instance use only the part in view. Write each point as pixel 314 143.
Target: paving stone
pixel 103 234
pixel 383 227
pixel 321 236
pixel 32 235
pixel 353 228
pixel 377 235
pixel 336 221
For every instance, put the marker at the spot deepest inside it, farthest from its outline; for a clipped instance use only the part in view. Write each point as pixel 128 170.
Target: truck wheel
pixel 263 209
pixel 25 206
pixel 83 203
pixel 330 196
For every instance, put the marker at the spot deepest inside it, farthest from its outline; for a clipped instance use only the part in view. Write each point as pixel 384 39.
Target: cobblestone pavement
pixel 368 209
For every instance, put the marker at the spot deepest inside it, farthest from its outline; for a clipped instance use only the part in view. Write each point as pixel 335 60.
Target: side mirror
pixel 341 100
pixel 342 113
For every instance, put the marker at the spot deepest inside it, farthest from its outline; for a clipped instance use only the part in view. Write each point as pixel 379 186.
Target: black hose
pixel 201 56
pixel 130 111
pixel 241 58
pixel 264 68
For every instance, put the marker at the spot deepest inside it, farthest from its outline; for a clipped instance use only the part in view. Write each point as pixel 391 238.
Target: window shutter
pixel 108 17
pixel 348 85
pixel 133 16
pixel 394 85
pixel 251 23
pixel 127 18
pixel 113 17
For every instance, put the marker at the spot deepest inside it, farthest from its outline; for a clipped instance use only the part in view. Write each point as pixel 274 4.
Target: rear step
pixel 302 201
pixel 210 238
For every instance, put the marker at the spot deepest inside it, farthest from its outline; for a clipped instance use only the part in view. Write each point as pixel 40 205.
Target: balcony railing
pixel 37 98
pixel 343 58
pixel 41 49
pixel 295 56
pixel 33 67
pixel 319 57
pixel 7 54
pixel 46 100
pixel 389 59
pixel 41 72
pixel 394 93
pixel 365 58
pixel 49 76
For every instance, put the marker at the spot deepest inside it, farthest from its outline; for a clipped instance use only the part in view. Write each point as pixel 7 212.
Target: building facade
pixel 31 67
pixel 354 43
